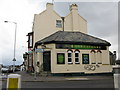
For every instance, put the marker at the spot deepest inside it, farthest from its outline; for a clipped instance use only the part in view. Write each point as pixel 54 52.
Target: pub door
pixel 47 61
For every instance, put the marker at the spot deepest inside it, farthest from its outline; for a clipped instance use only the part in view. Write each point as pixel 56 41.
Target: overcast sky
pixel 102 18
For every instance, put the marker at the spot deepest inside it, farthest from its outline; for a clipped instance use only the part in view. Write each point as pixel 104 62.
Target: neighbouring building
pixel 62 45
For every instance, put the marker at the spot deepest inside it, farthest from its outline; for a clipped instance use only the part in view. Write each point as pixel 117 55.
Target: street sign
pixel 30 51
pixel 40 50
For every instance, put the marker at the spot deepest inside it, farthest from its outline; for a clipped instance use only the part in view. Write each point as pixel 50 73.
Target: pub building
pixel 62 45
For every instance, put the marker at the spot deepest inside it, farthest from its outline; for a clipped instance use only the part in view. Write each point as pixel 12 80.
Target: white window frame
pixel 99 57
pixel 30 41
pixel 59 23
pixel 70 52
pixel 93 57
pixel 78 62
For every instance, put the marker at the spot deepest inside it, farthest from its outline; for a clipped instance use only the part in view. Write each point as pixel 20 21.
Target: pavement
pixel 26 77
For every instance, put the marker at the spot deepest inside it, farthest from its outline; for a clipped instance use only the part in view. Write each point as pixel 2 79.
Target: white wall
pixel 45 23
pixel 72 68
pixel 74 22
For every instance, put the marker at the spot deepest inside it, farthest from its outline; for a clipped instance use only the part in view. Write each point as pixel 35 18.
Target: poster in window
pixel 60 58
pixel 85 58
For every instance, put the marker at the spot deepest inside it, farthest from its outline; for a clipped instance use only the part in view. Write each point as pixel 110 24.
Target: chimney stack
pixel 74 12
pixel 73 7
pixel 49 6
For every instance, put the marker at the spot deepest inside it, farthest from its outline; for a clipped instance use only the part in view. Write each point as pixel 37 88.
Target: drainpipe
pixel 63 22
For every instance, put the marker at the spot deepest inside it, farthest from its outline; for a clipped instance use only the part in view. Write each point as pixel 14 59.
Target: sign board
pixel 40 50
pixel 30 51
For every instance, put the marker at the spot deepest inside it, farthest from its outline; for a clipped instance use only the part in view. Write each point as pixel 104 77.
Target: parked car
pixel 17 69
pixel 4 70
pixel 10 69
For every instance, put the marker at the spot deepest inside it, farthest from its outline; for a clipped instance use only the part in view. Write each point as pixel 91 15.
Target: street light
pixel 14 59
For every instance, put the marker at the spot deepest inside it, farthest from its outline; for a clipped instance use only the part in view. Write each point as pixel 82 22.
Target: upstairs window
pixel 30 40
pixel 59 23
pixel 70 57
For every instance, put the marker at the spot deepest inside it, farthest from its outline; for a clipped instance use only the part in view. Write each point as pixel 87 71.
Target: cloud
pixel 19 11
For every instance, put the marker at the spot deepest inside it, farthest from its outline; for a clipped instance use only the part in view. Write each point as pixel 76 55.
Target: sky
pixel 102 22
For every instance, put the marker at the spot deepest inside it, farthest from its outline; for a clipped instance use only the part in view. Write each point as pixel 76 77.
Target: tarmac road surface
pixel 108 83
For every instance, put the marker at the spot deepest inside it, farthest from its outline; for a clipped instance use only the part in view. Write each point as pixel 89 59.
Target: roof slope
pixel 72 38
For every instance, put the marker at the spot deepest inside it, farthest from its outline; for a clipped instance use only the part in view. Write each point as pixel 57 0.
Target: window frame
pixel 83 59
pixel 99 57
pixel 30 40
pixel 63 58
pixel 59 23
pixel 93 56
pixel 77 62
pixel 70 52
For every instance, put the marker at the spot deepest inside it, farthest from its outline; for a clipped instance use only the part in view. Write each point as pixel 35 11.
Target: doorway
pixel 47 61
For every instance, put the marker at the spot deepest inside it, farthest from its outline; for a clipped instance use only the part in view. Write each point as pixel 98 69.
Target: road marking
pixel 76 78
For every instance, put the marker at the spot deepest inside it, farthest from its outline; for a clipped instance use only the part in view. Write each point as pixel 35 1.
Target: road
pixel 0 84
pixel 108 83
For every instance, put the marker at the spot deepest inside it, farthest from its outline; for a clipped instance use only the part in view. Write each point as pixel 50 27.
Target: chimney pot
pixel 49 6
pixel 73 7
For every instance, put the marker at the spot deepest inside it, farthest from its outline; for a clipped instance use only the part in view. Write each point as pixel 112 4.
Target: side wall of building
pixel 76 24
pixel 45 23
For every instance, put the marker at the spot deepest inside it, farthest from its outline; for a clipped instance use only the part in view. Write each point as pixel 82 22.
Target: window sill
pixel 99 63
pixel 86 63
pixel 58 27
pixel 93 63
pixel 60 64
pixel 77 63
pixel 70 62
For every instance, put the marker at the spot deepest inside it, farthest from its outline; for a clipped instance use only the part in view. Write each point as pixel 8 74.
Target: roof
pixel 66 37
pixel 29 33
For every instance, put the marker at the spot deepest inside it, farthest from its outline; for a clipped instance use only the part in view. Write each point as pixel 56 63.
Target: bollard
pixel 116 70
pixel 14 81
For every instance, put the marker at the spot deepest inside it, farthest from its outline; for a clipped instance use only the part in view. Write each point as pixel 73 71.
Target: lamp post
pixel 14 59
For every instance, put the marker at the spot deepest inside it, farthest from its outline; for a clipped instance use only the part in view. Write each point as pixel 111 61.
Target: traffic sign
pixel 30 51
